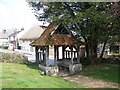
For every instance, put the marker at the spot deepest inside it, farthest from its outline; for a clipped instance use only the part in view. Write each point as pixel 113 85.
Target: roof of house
pixel 56 34
pixel 5 35
pixel 14 33
pixel 32 34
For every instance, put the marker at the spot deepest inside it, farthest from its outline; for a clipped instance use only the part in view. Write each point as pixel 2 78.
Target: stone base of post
pixel 50 71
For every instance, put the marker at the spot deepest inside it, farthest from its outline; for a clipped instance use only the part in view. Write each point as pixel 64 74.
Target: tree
pixel 90 20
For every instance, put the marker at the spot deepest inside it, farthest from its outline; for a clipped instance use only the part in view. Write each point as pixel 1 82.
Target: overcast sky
pixel 16 14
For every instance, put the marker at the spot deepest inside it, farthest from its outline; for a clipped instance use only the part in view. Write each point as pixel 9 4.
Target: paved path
pixel 90 82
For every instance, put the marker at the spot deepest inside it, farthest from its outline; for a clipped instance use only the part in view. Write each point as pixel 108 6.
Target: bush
pixel 85 61
pixel 4 47
pixel 13 58
pixel 110 60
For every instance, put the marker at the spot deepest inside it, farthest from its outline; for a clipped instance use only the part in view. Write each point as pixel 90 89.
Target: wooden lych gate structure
pixel 57 36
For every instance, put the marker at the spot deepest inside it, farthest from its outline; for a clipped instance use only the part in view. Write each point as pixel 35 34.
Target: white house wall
pixel 25 45
pixel 28 50
pixel 3 42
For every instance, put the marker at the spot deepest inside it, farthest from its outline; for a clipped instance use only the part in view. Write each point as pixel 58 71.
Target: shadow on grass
pixel 32 65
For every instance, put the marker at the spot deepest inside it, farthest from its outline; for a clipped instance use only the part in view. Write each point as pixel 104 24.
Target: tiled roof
pixel 56 34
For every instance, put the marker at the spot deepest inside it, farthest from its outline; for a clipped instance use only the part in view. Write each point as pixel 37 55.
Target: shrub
pixel 85 61
pixel 4 47
pixel 13 58
pixel 110 60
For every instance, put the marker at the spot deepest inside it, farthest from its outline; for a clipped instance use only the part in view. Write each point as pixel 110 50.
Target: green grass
pixel 22 76
pixel 107 72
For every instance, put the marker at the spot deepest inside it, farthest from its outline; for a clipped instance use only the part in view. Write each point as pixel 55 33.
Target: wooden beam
pixel 37 55
pixel 44 56
pixel 66 54
pixel 40 56
pixel 63 49
pixel 55 55
pixel 72 55
pixel 57 50
pixel 47 56
pixel 78 55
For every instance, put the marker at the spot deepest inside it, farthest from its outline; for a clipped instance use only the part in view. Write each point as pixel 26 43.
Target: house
pixel 13 40
pixel 26 38
pixel 114 48
pixel 59 37
pixel 4 37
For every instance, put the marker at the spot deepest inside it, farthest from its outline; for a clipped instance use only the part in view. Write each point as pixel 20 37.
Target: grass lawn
pixel 108 72
pixel 22 76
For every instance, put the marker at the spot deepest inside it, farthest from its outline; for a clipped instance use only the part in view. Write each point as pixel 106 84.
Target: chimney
pixel 4 31
pixel 22 28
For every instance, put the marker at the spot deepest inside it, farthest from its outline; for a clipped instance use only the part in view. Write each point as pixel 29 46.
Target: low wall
pixel 75 68
pixel 51 70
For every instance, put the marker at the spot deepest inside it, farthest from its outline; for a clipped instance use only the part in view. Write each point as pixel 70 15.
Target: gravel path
pixel 90 82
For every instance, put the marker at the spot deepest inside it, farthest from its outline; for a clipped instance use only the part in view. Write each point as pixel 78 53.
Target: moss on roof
pixel 48 37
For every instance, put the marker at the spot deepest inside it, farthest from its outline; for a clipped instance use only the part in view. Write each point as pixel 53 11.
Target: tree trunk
pixel 86 47
pixel 93 52
pixel 95 49
pixel 101 55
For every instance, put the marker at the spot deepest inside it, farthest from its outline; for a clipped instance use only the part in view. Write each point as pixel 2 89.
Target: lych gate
pixel 58 37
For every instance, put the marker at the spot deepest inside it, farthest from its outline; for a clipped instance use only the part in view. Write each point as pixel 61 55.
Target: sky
pixel 16 14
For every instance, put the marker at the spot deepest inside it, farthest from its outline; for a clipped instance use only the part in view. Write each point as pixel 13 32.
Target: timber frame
pixel 42 55
pixel 57 35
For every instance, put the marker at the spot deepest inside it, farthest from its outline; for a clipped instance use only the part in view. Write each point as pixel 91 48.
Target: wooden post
pixel 47 56
pixel 74 54
pixel 37 55
pixel 71 55
pixel 44 57
pixel 57 51
pixel 63 56
pixel 78 55
pixel 55 55
pixel 68 54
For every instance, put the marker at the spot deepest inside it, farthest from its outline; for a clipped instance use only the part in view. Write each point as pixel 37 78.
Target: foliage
pixel 22 76
pixel 85 61
pixel 13 58
pixel 4 47
pixel 90 20
pixel 108 72
pixel 110 60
